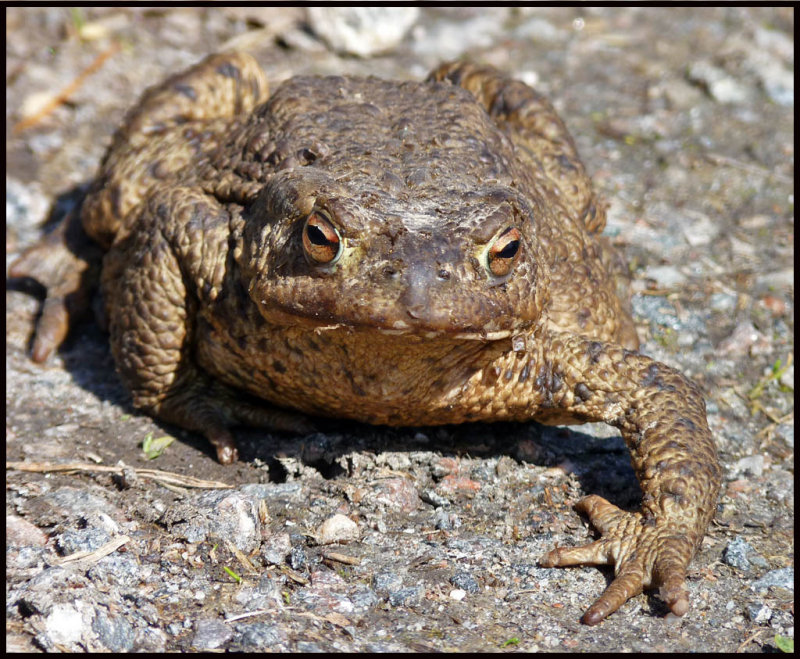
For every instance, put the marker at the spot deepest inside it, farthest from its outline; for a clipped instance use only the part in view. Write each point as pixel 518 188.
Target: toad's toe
pixel 643 554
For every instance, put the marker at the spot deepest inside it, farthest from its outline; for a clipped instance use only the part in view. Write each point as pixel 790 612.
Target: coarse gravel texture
pixel 372 539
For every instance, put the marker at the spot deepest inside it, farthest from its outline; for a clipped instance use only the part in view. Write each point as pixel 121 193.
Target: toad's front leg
pixel 155 282
pixel 662 417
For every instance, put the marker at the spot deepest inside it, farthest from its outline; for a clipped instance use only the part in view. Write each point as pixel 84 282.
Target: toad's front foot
pixel 204 405
pixel 644 553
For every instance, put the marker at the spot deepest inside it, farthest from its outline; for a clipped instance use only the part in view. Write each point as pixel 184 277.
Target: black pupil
pixel 509 250
pixel 317 236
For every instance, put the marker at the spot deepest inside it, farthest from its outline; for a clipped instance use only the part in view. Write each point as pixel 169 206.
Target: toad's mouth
pixel 485 337
pixel 385 325
pixel 459 317
pixel 496 335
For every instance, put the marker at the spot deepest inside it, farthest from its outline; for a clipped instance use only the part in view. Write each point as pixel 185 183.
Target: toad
pixel 401 253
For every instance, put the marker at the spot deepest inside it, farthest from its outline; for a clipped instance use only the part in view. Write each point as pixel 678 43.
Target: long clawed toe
pixel 642 555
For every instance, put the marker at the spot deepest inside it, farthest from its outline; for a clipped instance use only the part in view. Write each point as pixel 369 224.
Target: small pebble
pixel 211 634
pixel 465 581
pixel 759 613
pixel 338 528
pixel 752 464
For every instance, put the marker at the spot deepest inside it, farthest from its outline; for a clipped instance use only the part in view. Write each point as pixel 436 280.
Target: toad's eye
pixel 321 240
pixel 503 252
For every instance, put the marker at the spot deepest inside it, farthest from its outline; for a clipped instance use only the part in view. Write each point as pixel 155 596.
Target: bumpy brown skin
pixel 210 291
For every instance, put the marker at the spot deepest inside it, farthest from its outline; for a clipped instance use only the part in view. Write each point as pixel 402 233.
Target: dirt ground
pixel 424 539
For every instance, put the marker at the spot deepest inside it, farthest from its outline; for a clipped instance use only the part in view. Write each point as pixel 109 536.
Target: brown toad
pixel 397 253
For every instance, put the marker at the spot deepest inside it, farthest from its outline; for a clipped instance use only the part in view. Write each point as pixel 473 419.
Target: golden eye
pixel 321 239
pixel 503 253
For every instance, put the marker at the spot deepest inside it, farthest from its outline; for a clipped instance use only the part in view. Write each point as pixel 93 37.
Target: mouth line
pixel 433 334
pixel 425 334
pixel 398 328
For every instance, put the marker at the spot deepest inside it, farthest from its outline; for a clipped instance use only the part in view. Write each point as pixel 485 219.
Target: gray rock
pixel 698 229
pixel 261 635
pixel 25 558
pixel 75 540
pixel 741 340
pixel 211 634
pixel 657 310
pixel 775 77
pixel 666 276
pixel 448 39
pixel 276 548
pixel 115 633
pixel 298 558
pixel 781 280
pixel 407 596
pixel 786 432
pixel 465 581
pixel 759 613
pixel 229 515
pixel 362 31
pixel 20 532
pixel 787 377
pixel 446 521
pixel 434 498
pixel 363 598
pixel 386 582
pixel 310 647
pixel 781 578
pixel 67 625
pixel 26 206
pixel 539 29
pixel 150 639
pixel 264 595
pixel 740 554
pixel 723 302
pixel 338 528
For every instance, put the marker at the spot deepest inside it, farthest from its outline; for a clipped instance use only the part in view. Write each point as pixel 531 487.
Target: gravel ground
pixel 361 538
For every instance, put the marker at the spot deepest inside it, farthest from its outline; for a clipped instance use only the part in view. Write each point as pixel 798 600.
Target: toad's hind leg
pixel 538 134
pixel 175 125
pixel 154 282
pixel 221 86
pixel 173 128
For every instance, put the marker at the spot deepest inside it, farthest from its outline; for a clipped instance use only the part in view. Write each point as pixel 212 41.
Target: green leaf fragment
pixel 154 447
pixel 784 644
pixel 232 574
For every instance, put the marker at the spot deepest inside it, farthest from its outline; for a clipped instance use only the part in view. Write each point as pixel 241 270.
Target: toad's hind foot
pixel 66 263
pixel 643 554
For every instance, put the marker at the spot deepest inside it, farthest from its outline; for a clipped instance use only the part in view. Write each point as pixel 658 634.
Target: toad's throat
pixel 377 377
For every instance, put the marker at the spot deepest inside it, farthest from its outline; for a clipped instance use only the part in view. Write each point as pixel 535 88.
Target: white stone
pixel 362 31
pixel 666 276
pixel 339 528
pixel 64 625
